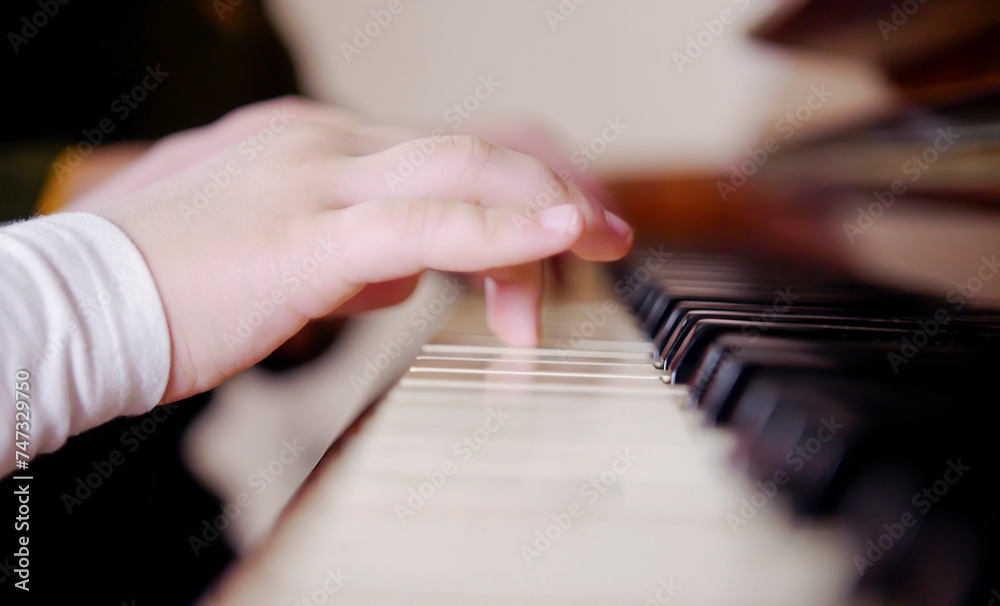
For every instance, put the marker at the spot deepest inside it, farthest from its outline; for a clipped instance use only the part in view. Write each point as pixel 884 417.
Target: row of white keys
pixel 568 474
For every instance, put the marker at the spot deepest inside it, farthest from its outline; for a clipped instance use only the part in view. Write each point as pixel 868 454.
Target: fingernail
pixel 619 225
pixel 563 219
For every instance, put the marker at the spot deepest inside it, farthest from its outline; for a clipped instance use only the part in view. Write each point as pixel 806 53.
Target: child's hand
pixel 287 222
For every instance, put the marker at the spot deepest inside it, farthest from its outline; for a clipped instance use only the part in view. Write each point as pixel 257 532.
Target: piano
pixel 699 427
pixel 800 445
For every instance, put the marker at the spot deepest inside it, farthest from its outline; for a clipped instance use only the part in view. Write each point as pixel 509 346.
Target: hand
pixel 188 148
pixel 534 140
pixel 317 207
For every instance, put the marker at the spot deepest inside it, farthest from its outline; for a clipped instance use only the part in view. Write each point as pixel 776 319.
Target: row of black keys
pixel 867 404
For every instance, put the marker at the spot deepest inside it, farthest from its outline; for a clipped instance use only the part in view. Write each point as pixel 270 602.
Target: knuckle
pixel 248 114
pixel 260 114
pixel 298 131
pixel 473 152
pixel 301 137
pixel 422 220
pixel 291 102
pixel 177 139
pixel 267 108
pixel 411 148
pixel 554 183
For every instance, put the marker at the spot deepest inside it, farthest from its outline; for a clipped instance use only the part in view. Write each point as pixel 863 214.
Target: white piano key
pixel 534 359
pixel 563 344
pixel 568 415
pixel 640 354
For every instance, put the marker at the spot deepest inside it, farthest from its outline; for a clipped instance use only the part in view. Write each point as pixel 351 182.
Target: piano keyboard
pixel 584 472
pixel 866 405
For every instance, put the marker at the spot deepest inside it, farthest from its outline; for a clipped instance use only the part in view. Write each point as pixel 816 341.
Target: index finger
pixel 475 171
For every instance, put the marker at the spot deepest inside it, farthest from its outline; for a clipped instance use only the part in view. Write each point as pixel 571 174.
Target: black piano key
pixel 732 359
pixel 682 361
pixel 778 303
pixel 730 362
pixel 775 381
pixel 930 540
pixel 829 426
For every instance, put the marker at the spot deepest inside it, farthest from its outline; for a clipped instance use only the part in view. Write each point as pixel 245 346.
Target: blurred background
pixel 572 65
pixel 699 96
pixel 713 124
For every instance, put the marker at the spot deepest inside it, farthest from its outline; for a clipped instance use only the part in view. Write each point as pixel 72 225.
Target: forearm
pixel 82 316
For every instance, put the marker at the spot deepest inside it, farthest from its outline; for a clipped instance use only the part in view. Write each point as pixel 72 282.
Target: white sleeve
pixel 81 317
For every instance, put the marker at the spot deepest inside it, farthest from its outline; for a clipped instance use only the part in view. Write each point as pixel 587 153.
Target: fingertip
pixel 512 312
pixel 604 235
pixel 620 226
pixel 513 336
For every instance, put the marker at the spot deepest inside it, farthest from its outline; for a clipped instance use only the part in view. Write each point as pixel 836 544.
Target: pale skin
pixel 317 198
